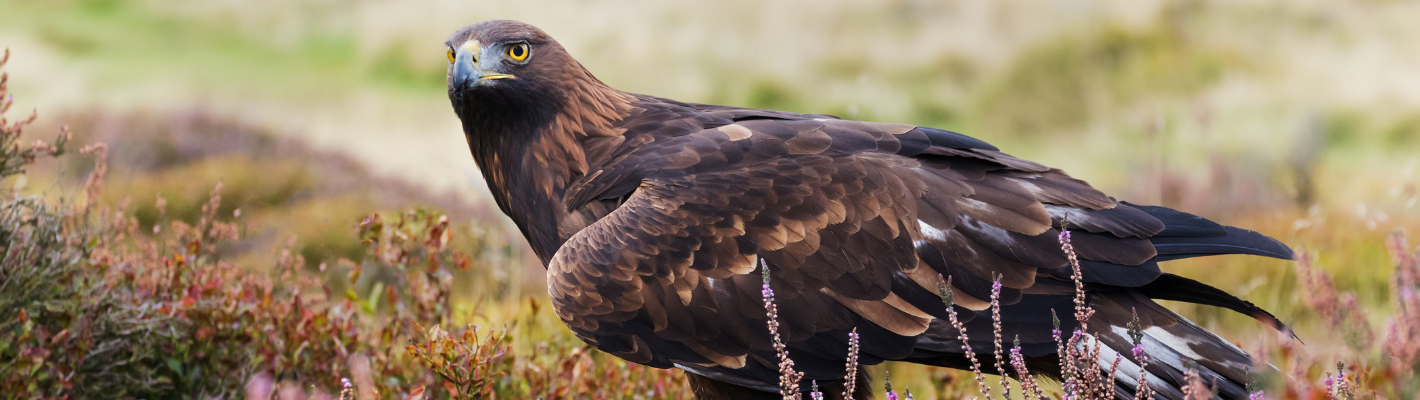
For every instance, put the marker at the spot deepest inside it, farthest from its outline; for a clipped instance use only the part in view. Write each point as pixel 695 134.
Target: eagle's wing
pixel 856 221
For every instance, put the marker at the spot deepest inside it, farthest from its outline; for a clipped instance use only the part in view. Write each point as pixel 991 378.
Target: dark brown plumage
pixel 651 216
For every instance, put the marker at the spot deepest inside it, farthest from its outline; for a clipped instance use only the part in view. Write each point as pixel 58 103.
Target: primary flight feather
pixel 653 217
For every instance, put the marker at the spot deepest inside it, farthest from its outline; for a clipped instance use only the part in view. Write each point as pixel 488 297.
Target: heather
pixel 100 304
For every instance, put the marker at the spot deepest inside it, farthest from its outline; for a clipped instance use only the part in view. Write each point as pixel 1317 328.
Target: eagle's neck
pixel 529 162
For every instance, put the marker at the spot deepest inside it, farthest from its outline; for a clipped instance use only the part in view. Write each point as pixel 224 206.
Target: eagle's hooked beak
pixel 467 72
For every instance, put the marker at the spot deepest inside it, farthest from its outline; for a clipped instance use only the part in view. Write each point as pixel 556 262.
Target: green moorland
pixel 1299 119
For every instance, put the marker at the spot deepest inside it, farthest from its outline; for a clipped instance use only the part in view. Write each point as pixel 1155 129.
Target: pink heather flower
pixel 1258 395
pixel 1114 366
pixel 945 290
pixel 996 334
pixel 816 394
pixel 1083 378
pixel 1143 391
pixel 347 391
pixel 851 381
pixel 1029 387
pixel 1193 387
pixel 887 385
pixel 788 377
pixel 1337 385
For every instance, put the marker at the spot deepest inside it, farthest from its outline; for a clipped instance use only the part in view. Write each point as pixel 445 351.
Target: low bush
pixel 96 305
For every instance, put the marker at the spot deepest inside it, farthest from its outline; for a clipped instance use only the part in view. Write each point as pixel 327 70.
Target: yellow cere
pixel 472 46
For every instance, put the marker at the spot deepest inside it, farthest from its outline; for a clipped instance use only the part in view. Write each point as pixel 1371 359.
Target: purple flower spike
pixel 788 377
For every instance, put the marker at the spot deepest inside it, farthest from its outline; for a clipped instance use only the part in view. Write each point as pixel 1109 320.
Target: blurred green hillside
pixel 1299 119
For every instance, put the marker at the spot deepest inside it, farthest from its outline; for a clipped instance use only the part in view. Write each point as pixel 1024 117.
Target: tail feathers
pixel 1186 235
pixel 1233 241
pixel 1179 223
pixel 1172 351
pixel 1178 288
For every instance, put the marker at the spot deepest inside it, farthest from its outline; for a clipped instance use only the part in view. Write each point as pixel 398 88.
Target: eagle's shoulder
pixel 667 138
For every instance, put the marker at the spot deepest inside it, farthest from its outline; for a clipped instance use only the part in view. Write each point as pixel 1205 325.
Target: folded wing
pixel 856 221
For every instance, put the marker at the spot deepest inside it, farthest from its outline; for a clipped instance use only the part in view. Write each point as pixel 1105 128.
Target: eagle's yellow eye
pixel 451 55
pixel 518 52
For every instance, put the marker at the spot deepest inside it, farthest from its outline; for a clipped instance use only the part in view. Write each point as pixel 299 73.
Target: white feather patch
pixel 1128 372
pixel 931 232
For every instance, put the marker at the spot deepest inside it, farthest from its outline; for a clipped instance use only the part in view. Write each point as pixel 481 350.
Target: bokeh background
pixel 1296 118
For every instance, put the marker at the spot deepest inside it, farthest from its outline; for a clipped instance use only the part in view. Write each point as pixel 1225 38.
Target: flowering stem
pixel 945 290
pixel 851 379
pixel 788 378
pixel 996 331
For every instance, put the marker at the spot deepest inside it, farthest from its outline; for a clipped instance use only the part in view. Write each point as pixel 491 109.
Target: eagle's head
pixel 507 75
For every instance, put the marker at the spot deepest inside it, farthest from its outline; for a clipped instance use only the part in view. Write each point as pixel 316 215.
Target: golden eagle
pixel 652 217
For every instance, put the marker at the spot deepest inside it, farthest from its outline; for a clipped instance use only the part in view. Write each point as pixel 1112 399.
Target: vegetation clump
pixel 95 304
